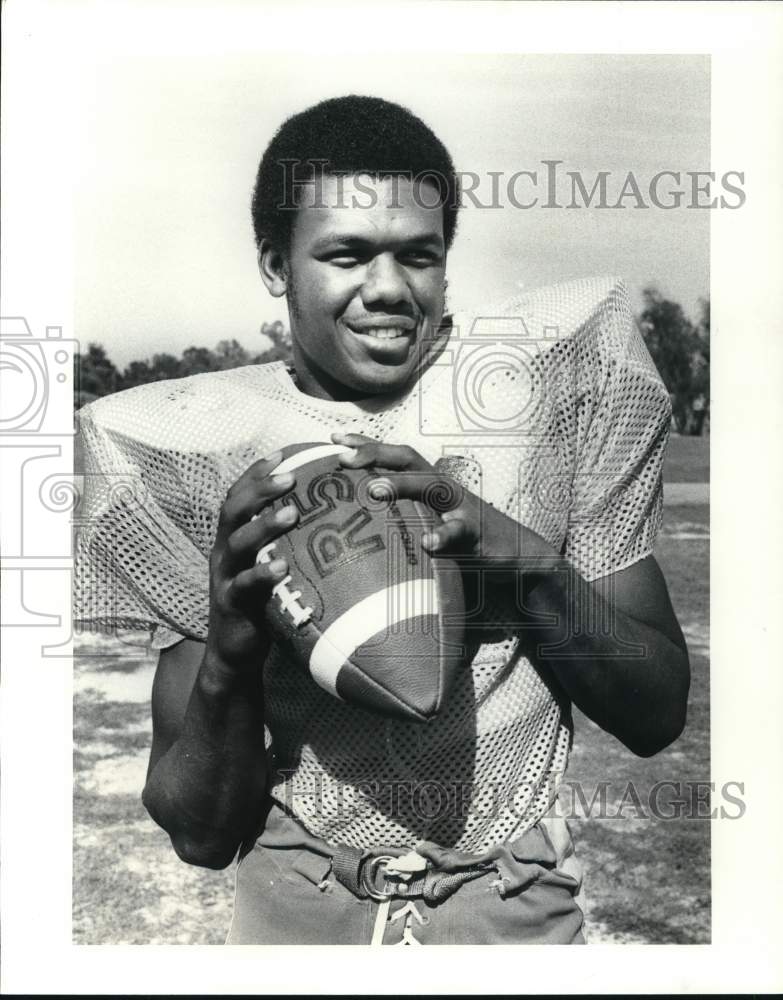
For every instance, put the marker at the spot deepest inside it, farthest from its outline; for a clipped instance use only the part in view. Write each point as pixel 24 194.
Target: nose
pixel 385 283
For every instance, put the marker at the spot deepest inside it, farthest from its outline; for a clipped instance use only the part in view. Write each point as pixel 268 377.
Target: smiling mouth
pixel 382 332
pixel 388 344
pixel 388 327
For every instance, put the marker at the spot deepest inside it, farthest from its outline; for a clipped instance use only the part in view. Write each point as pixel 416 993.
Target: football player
pixel 351 827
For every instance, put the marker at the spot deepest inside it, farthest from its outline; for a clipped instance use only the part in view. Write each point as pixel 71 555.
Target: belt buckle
pixel 368 878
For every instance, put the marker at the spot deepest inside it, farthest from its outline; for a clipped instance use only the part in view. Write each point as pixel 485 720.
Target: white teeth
pixel 386 332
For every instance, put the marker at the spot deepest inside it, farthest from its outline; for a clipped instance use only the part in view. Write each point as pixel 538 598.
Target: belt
pixel 406 875
pixel 430 872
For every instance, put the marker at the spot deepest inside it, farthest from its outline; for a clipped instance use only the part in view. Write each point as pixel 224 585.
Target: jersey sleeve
pixel 617 490
pixel 135 567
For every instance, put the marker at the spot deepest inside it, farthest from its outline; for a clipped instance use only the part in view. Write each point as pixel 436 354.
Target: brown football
pixel 375 619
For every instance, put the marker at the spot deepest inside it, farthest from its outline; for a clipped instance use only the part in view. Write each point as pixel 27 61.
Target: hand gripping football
pixel 377 622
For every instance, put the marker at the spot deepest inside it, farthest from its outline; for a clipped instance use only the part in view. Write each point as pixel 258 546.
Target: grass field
pixel 648 880
pixel 687 460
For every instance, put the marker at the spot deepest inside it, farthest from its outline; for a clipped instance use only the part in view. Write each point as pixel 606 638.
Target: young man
pixel 353 828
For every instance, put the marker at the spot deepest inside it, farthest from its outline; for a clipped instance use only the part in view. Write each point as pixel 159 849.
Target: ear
pixel 271 264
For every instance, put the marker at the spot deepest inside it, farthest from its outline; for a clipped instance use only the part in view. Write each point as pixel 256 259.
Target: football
pixel 376 621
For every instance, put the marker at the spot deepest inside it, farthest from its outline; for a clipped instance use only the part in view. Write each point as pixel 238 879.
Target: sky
pixel 169 142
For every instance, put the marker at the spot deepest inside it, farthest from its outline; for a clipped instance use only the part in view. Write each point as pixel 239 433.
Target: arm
pixel 632 678
pixel 207 772
pixel 614 645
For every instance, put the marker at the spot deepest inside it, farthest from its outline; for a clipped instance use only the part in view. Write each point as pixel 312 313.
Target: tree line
pixel 97 375
pixel 679 347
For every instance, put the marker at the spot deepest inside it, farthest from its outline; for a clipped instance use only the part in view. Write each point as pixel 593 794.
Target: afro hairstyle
pixel 347 135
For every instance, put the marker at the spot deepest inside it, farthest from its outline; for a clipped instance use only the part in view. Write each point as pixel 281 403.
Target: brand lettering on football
pixel 334 545
pixel 319 498
pixel 405 536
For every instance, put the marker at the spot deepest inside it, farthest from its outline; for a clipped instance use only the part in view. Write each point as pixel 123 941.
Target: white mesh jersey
pixel 559 418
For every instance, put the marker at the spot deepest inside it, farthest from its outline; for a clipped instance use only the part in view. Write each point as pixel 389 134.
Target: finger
pixel 386 456
pixel 452 537
pixel 372 452
pixel 255 472
pixel 358 443
pixel 258 581
pixel 351 440
pixel 241 506
pixel 439 493
pixel 243 545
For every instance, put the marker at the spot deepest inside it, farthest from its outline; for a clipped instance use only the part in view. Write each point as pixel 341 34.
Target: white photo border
pixel 44 47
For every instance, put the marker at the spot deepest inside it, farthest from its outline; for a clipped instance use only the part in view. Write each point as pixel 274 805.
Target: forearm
pixel 627 676
pixel 207 789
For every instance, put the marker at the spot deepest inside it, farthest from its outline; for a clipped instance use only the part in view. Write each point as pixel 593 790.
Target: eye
pixel 345 257
pixel 420 258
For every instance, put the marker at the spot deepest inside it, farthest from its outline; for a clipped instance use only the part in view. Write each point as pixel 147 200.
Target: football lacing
pixel 289 600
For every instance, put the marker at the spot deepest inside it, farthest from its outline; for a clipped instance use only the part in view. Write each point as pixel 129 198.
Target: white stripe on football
pixel 382 610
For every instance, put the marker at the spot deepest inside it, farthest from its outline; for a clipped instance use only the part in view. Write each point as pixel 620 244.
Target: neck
pixel 313 381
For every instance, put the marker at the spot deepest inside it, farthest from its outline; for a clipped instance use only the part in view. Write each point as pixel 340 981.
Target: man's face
pixel 365 285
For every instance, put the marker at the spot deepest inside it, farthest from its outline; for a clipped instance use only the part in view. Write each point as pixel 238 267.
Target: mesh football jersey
pixel 548 407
